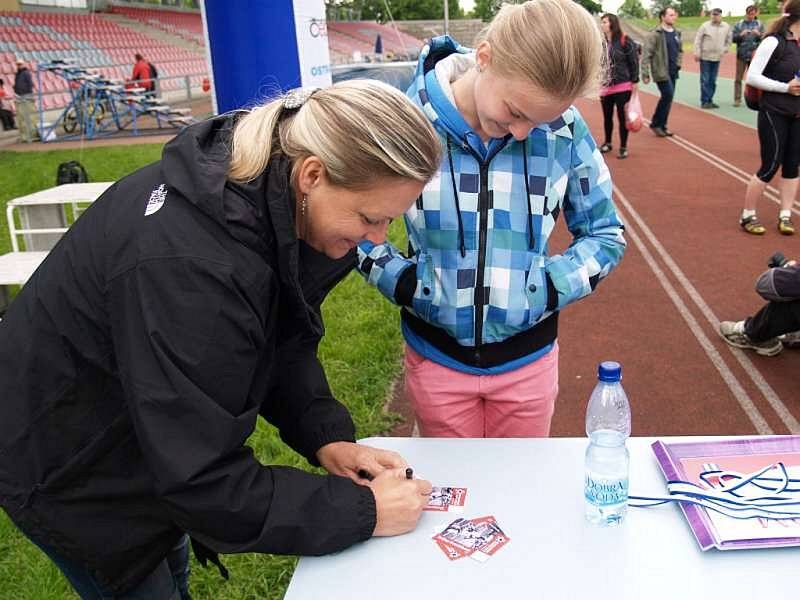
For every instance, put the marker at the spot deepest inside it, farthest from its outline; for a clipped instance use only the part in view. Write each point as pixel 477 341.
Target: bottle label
pixel 605 492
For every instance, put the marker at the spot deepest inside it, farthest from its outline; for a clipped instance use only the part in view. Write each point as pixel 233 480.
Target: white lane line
pixel 726 167
pixel 771 192
pixel 749 408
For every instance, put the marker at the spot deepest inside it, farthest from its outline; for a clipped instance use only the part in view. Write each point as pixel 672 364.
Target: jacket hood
pixel 195 164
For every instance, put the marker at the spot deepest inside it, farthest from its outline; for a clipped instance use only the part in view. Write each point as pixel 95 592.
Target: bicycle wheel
pixel 71 120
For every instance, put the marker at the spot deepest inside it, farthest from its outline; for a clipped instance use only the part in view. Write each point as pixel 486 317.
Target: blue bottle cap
pixel 609 370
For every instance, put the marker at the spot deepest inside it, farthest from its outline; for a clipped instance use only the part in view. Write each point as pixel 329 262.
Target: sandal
pixel 785 226
pixel 606 148
pixel 752 225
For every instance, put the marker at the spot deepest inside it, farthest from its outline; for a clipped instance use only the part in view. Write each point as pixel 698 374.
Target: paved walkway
pixel 687 92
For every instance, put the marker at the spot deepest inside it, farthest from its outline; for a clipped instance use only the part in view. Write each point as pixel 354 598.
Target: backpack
pixel 623 40
pixel 71 172
pixel 752 95
pixel 153 71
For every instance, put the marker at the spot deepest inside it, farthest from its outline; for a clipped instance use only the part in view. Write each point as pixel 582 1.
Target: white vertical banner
pixel 312 43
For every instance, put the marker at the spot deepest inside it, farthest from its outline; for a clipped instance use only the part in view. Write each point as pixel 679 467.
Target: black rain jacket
pixel 136 360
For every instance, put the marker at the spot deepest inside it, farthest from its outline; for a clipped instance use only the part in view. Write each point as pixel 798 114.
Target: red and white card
pixel 447 499
pixel 478 538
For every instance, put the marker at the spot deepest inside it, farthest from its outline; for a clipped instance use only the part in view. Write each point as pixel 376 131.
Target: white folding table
pixel 534 487
pixel 42 222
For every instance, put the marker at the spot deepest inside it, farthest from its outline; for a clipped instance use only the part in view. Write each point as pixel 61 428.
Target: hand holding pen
pixel 399 500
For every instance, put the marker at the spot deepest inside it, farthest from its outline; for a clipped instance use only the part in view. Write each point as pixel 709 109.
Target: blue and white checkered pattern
pixel 566 174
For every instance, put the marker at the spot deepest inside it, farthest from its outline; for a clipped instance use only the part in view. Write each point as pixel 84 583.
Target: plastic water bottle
pixel 608 425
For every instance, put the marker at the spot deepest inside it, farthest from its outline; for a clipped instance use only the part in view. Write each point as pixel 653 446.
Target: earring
pixel 302 224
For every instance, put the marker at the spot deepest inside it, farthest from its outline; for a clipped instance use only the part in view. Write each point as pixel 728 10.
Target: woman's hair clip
pixel 297 97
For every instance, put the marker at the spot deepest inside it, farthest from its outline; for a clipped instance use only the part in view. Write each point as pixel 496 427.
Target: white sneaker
pixel 733 333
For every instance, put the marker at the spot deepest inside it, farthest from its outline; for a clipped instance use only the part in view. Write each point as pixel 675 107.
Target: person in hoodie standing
pixel 181 305
pixel 479 292
pixel 623 63
pixel 662 56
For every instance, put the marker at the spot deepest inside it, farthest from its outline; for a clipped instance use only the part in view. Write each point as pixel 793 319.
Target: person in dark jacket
pixel 26 109
pixel 181 305
pixel 662 57
pixel 778 322
pixel 623 61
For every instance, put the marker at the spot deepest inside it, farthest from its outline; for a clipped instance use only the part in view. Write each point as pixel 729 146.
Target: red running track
pixel 687 266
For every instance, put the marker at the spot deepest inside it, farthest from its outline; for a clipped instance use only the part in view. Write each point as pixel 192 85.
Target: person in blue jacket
pixel 479 291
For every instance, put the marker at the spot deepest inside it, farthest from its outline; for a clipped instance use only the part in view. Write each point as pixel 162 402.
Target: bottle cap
pixel 609 370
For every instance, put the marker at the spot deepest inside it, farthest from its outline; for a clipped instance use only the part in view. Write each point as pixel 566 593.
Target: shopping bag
pixel 633 113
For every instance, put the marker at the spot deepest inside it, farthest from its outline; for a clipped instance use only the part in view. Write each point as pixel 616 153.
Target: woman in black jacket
pixel 623 66
pixel 183 304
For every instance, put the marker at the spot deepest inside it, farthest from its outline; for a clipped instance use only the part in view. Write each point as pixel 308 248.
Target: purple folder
pixel 670 455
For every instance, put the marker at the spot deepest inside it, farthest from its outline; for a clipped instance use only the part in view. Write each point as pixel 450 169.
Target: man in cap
pixel 710 44
pixel 23 97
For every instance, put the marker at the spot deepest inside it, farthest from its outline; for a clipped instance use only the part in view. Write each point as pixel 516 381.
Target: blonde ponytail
pixel 252 141
pixel 361 130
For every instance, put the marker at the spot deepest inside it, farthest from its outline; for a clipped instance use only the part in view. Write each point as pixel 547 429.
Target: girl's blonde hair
pixel 555 44
pixel 361 130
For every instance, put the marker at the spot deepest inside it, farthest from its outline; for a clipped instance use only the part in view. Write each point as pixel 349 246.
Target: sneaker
pixel 752 225
pixel 790 340
pixel 737 103
pixel 785 226
pixel 733 333
pixel 714 105
pixel 659 131
pixel 606 148
pixel 623 153
pixel 707 105
pixel 667 132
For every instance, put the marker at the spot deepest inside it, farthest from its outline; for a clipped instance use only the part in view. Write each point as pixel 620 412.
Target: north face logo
pixel 156 201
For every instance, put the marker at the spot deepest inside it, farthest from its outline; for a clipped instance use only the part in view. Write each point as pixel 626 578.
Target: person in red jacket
pixel 141 73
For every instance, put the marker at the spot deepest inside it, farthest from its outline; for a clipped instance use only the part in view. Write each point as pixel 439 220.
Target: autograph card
pixel 478 538
pixel 447 499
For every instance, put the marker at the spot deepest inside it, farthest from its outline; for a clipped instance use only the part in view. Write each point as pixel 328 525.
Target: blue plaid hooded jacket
pixel 478 285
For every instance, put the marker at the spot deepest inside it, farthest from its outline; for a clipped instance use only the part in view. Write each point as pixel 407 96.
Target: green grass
pixel 360 352
pixel 692 23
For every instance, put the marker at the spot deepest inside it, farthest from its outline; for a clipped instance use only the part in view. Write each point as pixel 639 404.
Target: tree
pixel 690 8
pixel 590 5
pixel 399 10
pixel 658 5
pixel 485 9
pixel 632 9
pixel 769 7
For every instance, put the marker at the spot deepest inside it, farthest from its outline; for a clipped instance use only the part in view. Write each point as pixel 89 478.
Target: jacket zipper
pixel 483 209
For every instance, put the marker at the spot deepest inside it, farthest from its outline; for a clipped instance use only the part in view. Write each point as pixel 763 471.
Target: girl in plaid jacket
pixel 479 292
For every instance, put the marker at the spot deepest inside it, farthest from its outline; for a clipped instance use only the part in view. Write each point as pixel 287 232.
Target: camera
pixel 777 260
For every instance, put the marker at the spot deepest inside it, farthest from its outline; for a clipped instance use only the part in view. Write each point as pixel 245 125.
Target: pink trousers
pixel 450 403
